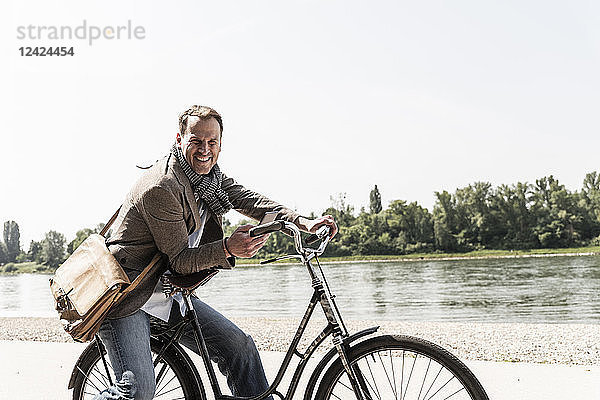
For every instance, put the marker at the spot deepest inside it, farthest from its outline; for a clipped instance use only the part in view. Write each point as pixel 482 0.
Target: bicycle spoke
pixel 88 379
pixel 374 382
pixel 336 396
pixel 102 376
pixel 386 374
pixel 402 378
pixel 161 375
pixel 443 386
pixel 168 391
pixel 459 390
pixel 170 380
pixel 394 376
pixel 433 382
pixel 409 377
pixel 346 386
pixel 362 381
pixel 424 379
pixel 100 381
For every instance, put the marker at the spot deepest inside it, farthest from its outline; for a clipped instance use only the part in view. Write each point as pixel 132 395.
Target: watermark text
pixel 84 31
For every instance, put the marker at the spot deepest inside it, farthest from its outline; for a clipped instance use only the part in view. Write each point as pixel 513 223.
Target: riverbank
pixel 435 257
pixel 472 255
pixel 33 268
pixel 567 344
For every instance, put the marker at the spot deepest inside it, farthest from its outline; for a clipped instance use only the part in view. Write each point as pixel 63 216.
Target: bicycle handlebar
pixel 266 228
pixel 322 234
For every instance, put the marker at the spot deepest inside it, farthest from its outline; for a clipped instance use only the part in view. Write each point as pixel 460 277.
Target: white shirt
pixel 159 305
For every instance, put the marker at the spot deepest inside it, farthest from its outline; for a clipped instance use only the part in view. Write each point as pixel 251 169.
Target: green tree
pixel 12 240
pixel 80 236
pixel 591 192
pixel 409 226
pixel 590 203
pixel 341 211
pixel 444 222
pixel 375 201
pixel 511 206
pixel 476 227
pixel 53 249
pixel 3 254
pixel 558 219
pixel 35 251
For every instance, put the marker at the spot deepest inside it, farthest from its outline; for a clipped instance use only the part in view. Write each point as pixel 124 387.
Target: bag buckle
pixel 62 301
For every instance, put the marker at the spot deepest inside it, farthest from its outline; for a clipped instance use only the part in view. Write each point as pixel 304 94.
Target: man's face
pixel 201 143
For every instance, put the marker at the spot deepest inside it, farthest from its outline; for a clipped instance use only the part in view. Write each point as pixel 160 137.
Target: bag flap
pixel 89 273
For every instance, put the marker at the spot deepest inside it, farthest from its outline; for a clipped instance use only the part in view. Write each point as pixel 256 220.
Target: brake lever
pixel 320 234
pixel 280 258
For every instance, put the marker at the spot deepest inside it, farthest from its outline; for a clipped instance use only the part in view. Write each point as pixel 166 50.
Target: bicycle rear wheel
pixel 177 378
pixel 401 367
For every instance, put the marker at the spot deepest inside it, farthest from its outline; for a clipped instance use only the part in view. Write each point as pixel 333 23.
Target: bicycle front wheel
pixel 401 367
pixel 175 376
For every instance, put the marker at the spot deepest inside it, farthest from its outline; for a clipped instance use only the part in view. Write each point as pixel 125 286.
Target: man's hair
pixel 201 112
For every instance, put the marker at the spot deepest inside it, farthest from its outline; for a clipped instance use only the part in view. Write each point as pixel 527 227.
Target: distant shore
pixel 443 257
pixel 32 267
pixel 569 344
pixel 472 255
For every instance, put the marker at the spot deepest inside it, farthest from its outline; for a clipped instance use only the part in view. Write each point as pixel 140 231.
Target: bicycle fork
pixel 340 335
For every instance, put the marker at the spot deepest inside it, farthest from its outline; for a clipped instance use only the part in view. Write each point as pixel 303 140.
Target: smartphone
pixel 268 217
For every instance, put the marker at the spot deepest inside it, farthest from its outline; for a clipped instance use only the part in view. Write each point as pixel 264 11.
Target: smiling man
pixel 176 209
pixel 200 143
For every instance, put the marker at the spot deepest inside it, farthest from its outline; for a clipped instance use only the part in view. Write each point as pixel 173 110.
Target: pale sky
pixel 318 98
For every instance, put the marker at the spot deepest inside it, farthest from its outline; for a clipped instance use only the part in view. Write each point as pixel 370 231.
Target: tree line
pixel 476 217
pixel 49 252
pixel 479 216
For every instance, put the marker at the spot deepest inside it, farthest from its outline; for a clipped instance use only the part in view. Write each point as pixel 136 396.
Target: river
pixel 536 290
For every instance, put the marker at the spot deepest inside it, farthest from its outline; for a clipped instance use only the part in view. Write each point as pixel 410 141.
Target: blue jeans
pixel 127 341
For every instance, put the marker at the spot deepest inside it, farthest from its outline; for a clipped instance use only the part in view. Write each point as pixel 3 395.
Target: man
pixel 176 209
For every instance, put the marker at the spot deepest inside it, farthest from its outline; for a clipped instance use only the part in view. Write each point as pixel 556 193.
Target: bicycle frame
pixel 335 327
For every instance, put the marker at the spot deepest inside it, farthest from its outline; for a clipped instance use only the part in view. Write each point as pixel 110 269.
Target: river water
pixel 544 290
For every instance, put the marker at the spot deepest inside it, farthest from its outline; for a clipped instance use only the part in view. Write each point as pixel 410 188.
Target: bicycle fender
pixel 88 349
pixel 310 387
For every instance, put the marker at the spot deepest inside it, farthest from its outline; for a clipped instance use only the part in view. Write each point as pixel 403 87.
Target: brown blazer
pixel 159 214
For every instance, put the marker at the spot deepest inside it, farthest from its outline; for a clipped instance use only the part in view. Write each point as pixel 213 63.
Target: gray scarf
pixel 206 187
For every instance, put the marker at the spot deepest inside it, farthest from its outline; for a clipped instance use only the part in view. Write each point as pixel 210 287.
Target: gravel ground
pixel 571 344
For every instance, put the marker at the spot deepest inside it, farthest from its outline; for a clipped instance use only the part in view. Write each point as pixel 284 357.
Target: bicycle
pixel 356 367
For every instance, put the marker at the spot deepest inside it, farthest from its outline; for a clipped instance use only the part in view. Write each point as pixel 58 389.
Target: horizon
pixel 234 217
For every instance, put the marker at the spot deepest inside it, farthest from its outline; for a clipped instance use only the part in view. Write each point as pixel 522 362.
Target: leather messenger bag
pixel 89 283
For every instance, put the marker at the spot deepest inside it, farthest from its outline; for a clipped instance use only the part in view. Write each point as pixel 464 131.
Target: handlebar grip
pixel 266 228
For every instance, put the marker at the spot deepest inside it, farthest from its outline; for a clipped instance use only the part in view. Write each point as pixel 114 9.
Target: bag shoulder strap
pixel 145 271
pixel 110 222
pixel 142 275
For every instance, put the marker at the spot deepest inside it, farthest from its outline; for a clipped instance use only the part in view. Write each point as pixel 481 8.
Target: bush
pixel 22 257
pixel 10 267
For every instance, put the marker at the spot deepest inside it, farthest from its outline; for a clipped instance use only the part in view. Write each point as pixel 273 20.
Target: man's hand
pixel 240 244
pixel 312 225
